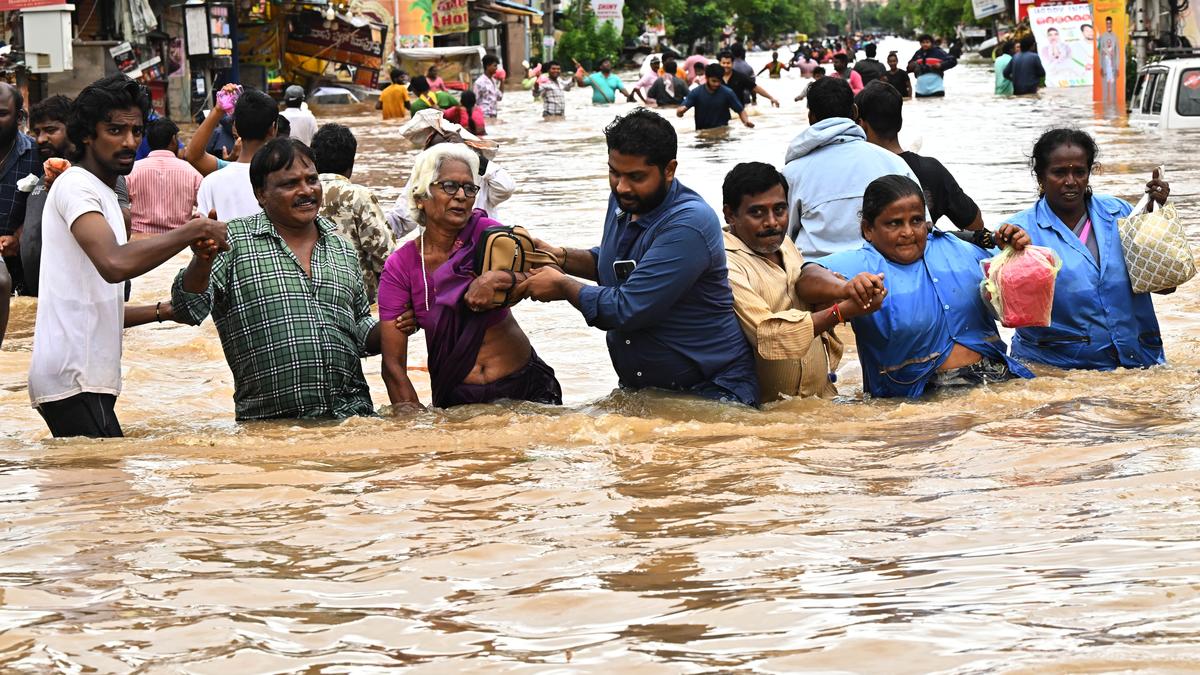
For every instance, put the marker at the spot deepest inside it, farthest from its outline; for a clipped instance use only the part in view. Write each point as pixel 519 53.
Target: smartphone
pixel 623 268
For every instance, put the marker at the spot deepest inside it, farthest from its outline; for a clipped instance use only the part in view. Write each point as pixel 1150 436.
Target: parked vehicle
pixel 1167 95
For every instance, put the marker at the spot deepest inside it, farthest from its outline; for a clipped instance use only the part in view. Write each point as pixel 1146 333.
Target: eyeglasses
pixel 451 187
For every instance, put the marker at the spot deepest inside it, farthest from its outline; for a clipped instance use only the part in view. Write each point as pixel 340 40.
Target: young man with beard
pixel 775 295
pixel 287 297
pixel 663 293
pixel 18 159
pixel 75 371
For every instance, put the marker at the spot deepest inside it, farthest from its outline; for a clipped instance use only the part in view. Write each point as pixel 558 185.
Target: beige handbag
pixel 1157 253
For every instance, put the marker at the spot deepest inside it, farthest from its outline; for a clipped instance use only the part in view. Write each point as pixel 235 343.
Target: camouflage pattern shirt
pixel 359 218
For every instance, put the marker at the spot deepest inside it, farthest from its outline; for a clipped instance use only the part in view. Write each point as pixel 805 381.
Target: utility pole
pixel 548 31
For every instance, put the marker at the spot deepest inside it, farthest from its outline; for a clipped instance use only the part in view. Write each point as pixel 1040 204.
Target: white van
pixel 1167 95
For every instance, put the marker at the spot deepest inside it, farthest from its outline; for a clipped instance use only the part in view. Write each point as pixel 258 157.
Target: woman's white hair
pixel 428 166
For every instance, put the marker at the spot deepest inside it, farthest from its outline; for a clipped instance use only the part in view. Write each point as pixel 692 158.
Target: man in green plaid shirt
pixel 287 298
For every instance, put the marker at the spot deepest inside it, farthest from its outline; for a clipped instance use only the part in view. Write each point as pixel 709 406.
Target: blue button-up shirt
pixel 671 323
pixel 1097 321
pixel 22 161
pixel 932 304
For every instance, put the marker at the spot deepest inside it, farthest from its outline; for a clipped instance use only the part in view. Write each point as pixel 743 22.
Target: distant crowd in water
pixel 288 254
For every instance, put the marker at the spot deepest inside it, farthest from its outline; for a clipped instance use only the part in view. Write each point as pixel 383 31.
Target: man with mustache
pixel 776 296
pixel 75 370
pixel 18 159
pixel 288 298
pixel 663 293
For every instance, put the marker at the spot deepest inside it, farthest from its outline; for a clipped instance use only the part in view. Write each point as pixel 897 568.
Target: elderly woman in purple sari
pixel 477 352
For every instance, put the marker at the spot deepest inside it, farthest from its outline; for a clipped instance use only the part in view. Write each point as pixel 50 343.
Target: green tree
pixel 586 42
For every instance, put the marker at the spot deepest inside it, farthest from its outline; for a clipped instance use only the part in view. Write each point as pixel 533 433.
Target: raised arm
pixel 195 151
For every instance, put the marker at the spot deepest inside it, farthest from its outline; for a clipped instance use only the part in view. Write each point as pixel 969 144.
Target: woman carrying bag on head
pixel 477 352
pixel 1098 322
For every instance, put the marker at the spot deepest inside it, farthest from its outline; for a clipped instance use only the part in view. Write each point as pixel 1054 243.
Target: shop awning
pixel 511 7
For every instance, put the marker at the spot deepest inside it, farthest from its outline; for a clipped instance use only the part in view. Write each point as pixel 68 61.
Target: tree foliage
pixel 586 42
pixel 937 17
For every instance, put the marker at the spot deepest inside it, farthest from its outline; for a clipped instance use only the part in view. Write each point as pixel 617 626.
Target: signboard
pixel 611 11
pixel 986 8
pixel 1065 51
pixel 340 42
pixel 450 16
pixel 14 5
pixel 1111 33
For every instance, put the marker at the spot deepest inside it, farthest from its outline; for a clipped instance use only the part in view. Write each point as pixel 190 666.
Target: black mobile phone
pixel 623 268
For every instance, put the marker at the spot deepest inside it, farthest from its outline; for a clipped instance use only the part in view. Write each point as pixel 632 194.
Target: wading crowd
pixel 288 256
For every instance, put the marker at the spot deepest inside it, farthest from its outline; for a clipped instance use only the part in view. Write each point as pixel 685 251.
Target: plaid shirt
pixel 553 98
pixel 293 342
pixel 22 161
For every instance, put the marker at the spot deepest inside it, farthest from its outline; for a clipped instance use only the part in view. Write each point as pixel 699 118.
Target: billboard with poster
pixel 1112 38
pixel 1061 32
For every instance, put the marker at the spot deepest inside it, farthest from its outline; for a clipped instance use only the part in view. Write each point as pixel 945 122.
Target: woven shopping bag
pixel 1157 253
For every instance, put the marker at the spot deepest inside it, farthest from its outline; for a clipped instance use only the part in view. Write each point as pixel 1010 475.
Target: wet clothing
pixel 163 192
pixel 981 372
pixel 828 167
pixel 789 360
pixel 932 304
pixel 22 160
pixel 742 86
pixel 929 81
pixel 433 99
pixel 1098 323
pixel 869 70
pixel 487 95
pixel 1026 72
pixel 471 121
pixel 853 78
pixel 534 382
pixel 554 100
pixel 359 218
pixel 604 87
pixel 668 90
pixel 304 124
pixel 670 323
pixel 1004 86
pixel 899 79
pixel 712 108
pixel 394 99
pixel 943 195
pixel 293 341
pixel 85 414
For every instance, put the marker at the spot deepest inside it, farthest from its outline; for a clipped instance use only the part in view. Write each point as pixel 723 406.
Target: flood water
pixel 1044 526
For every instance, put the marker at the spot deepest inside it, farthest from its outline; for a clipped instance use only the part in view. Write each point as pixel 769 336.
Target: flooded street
pixel 1042 526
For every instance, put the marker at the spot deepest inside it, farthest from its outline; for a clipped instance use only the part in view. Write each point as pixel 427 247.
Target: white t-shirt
pixel 228 191
pixel 304 125
pixel 80 316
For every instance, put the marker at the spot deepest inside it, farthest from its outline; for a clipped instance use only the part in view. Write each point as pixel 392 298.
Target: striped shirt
pixel 293 340
pixel 789 361
pixel 162 192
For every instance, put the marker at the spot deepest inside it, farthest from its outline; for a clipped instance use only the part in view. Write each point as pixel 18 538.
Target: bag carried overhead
pixel 1156 250
pixel 509 249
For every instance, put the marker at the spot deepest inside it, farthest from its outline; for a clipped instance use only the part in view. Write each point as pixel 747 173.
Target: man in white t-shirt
pixel 227 191
pixel 304 124
pixel 75 371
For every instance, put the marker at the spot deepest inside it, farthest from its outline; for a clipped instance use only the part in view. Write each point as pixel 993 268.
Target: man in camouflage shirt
pixel 352 208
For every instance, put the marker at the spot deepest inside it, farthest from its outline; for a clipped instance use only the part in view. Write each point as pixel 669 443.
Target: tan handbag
pixel 1156 250
pixel 509 249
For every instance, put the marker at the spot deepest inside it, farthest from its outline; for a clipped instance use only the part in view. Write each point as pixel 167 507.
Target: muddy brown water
pixel 1044 526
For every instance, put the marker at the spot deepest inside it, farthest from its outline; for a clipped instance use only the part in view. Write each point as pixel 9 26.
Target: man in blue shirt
pixel 663 293
pixel 1025 69
pixel 18 159
pixel 713 101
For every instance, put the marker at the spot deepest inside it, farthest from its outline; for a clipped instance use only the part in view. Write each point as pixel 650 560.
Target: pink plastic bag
pixel 1019 285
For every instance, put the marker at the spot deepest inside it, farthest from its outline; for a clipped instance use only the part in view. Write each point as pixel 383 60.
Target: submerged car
pixel 1167 95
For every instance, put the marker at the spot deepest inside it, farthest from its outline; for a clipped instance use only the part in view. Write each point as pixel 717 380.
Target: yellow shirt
pixel 394 98
pixel 779 327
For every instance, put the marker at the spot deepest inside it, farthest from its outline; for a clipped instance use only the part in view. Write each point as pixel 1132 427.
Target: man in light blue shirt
pixel 604 83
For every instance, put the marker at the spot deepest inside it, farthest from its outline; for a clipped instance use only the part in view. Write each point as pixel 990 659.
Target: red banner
pixel 450 16
pixel 14 5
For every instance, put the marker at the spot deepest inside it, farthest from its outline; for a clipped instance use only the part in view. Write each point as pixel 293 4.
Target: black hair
pixel 467 99
pixel 714 70
pixel 1088 25
pixel 419 85
pixel 884 191
pixel 1007 47
pixel 549 64
pixel 842 57
pixel 489 60
pixel 160 133
pixel 54 109
pixel 724 54
pixel 278 154
pixel 670 66
pixel 738 51
pixel 645 134
pixel 1051 28
pixel 870 50
pixel 1054 139
pixel 395 74
pixel 881 106
pixel 333 147
pixel 748 179
pixel 254 115
pixel 924 37
pixel 602 60
pixel 283 127
pixel 96 103
pixel 18 100
pixel 819 70
pixel 830 97
pixel 1029 43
